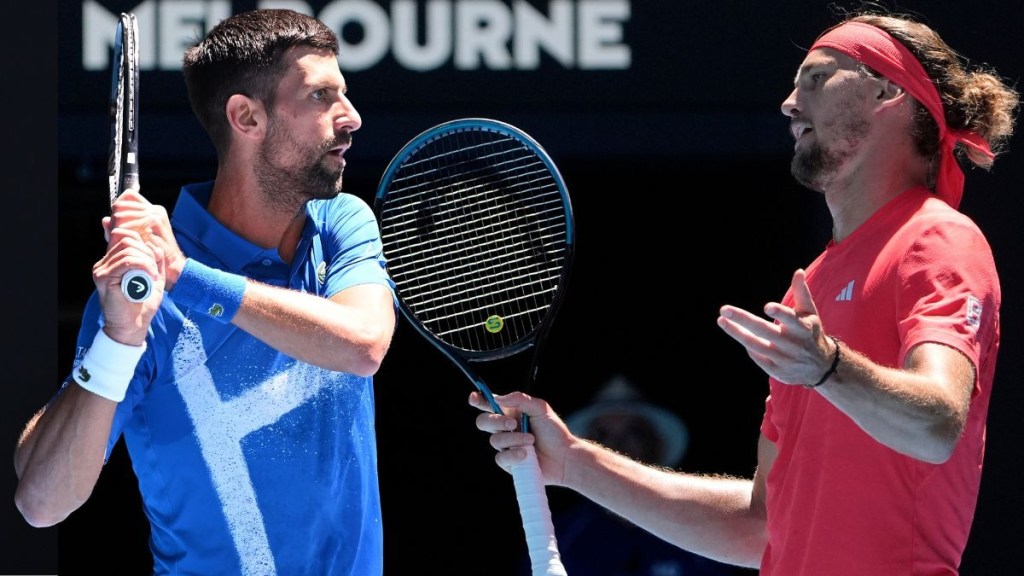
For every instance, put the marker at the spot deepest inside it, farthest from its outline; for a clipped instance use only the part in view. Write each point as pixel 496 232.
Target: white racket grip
pixel 533 507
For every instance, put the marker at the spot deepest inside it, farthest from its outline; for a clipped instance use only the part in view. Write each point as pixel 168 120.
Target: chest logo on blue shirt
pixel 321 273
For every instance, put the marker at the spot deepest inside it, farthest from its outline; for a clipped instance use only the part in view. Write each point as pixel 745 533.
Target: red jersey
pixel 839 502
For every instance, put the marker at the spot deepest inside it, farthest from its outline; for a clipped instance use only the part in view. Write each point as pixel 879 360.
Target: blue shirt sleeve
pixel 352 237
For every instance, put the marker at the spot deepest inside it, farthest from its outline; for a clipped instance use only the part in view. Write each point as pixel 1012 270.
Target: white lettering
pixel 184 22
pixel 533 31
pixel 373 22
pixel 145 15
pixel 482 31
pixel 96 48
pixel 600 23
pixel 421 35
pixel 437 43
pixel 166 29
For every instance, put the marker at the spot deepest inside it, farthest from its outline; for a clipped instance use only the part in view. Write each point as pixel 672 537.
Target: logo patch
pixel 494 324
pixel 846 294
pixel 321 273
pixel 974 310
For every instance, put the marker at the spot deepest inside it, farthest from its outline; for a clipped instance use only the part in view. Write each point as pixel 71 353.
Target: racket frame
pixel 123 160
pixel 527 478
pixel 461 357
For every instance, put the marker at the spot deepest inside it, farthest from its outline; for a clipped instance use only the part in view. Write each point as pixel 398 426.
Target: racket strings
pixel 477 237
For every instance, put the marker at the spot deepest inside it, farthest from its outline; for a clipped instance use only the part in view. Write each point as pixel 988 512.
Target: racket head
pixel 478 232
pixel 122 161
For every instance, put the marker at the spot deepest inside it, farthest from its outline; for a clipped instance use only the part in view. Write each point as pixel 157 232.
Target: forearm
pixel 919 411
pixel 711 516
pixel 351 333
pixel 60 454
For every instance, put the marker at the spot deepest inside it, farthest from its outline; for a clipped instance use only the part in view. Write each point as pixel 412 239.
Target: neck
pixel 238 203
pixel 864 188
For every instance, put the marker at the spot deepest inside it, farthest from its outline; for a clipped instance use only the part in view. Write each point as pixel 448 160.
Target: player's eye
pixel 319 95
pixel 811 79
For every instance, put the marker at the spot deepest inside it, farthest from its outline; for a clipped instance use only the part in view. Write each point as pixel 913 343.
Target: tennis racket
pixel 477 230
pixel 123 159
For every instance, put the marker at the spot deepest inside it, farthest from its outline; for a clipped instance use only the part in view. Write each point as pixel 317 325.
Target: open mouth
pixel 798 129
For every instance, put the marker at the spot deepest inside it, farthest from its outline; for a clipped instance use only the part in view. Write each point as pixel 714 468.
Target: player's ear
pixel 246 116
pixel 889 93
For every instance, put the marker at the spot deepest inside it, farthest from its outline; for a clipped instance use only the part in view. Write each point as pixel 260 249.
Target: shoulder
pixel 936 213
pixel 937 225
pixel 342 205
pixel 941 246
pixel 346 219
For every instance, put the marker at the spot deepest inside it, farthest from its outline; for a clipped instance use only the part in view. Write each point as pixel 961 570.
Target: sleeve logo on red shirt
pixel 974 310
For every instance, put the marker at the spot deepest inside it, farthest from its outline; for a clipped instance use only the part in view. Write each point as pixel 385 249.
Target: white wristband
pixel 107 367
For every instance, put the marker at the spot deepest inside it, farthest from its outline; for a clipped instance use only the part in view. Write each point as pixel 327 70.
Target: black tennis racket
pixel 123 159
pixel 478 234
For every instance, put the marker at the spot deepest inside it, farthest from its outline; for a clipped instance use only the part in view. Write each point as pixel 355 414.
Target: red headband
pixel 875 48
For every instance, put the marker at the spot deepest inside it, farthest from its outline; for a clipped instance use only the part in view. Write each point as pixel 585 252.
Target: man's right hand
pixel 128 249
pixel 548 434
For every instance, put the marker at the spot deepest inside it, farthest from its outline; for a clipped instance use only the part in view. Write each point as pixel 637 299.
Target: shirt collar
pixel 191 218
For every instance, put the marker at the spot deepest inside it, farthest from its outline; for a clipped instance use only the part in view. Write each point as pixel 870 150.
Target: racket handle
pixel 136 285
pixel 536 515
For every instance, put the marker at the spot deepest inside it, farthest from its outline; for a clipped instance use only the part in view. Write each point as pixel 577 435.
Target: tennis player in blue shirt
pixel 243 388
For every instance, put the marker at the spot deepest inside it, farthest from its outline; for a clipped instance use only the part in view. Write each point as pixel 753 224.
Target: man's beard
pixel 817 166
pixel 289 176
pixel 814 167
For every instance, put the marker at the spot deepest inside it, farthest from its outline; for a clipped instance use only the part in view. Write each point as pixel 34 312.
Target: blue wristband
pixel 213 292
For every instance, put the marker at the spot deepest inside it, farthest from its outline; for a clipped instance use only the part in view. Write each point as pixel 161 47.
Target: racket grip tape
pixel 136 285
pixel 545 559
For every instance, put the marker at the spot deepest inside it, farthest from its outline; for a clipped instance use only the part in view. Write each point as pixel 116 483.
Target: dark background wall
pixel 678 171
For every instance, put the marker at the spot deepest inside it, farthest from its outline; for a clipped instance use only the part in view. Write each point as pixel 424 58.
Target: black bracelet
pixel 832 369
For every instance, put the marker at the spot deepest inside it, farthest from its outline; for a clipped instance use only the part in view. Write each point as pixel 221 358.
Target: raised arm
pixel 62 449
pixel 349 332
pixel 918 410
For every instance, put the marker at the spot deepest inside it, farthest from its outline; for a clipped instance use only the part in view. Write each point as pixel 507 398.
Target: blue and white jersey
pixel 249 461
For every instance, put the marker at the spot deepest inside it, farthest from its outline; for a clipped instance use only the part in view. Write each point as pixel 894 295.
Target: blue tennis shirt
pixel 249 461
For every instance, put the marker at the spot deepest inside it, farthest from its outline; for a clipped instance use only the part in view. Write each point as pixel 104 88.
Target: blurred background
pixel 664 119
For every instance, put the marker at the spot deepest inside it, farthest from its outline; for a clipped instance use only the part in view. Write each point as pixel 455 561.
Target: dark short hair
pixel 243 54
